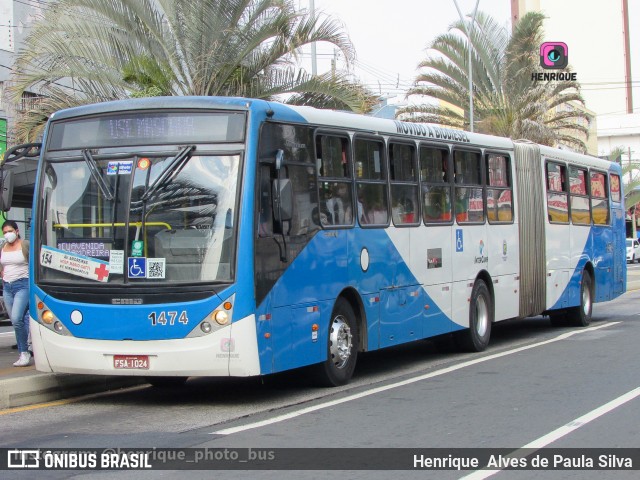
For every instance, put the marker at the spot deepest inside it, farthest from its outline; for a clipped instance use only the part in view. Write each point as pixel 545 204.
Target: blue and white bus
pixel 183 236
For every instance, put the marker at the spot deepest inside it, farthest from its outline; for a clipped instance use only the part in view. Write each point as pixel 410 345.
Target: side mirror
pixel 282 200
pixel 6 181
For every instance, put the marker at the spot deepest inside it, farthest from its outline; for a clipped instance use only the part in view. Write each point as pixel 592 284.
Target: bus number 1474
pixel 168 317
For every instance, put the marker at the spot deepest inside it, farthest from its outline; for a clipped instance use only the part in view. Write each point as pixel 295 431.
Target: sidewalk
pixel 21 386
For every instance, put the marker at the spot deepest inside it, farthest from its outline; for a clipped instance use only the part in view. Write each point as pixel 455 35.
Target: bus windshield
pixel 138 219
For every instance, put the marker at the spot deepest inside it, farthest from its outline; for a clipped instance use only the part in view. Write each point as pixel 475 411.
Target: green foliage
pixel 630 177
pixel 506 101
pixel 114 49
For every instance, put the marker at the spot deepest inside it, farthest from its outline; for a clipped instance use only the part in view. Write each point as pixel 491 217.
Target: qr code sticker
pixel 155 267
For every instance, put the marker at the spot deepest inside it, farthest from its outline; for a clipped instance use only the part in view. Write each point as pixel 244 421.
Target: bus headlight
pixel 221 317
pixel 57 326
pixel 215 320
pixel 47 317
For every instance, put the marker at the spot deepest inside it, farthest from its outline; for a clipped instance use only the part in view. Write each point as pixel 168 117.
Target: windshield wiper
pixel 172 170
pixel 95 173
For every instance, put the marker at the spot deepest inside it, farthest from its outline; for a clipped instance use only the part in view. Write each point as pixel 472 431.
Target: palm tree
pixel 85 51
pixel 506 100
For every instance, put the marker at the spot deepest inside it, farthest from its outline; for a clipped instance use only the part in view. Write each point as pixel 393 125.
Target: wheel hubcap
pixel 586 301
pixel 482 316
pixel 340 342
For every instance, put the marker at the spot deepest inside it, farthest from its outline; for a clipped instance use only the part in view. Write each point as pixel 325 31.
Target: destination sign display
pixel 147 128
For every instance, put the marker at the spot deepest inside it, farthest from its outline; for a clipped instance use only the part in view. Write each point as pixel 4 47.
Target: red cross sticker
pixel 102 272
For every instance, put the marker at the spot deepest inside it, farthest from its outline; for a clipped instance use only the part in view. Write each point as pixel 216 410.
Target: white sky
pixel 390 36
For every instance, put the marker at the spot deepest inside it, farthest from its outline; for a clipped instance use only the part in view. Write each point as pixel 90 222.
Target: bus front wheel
pixel 581 315
pixel 476 338
pixel 342 347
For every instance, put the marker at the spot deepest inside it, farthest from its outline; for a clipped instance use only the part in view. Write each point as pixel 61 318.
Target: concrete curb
pixel 47 387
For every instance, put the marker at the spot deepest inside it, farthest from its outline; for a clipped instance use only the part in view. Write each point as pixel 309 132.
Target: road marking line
pixel 562 431
pixel 7 333
pixel 373 391
pixel 67 401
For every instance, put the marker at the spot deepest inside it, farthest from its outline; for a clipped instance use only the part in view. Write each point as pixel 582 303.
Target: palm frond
pixel 505 100
pixel 95 50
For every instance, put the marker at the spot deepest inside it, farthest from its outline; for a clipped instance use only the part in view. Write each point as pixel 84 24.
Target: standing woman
pixel 14 259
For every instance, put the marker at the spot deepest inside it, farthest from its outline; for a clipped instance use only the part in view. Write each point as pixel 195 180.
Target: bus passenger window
pixel 599 200
pixel 557 196
pixel 334 184
pixel 372 203
pixel 404 184
pixel 337 205
pixel 615 188
pixel 296 143
pixel 499 193
pixel 469 198
pixel 580 209
pixel 435 187
pixel 332 156
pixel 436 204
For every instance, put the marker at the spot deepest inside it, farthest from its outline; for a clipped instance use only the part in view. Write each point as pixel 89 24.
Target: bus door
pixel 470 247
pixel 618 223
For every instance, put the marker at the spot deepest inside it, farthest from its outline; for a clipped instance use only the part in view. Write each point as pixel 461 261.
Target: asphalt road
pixel 535 385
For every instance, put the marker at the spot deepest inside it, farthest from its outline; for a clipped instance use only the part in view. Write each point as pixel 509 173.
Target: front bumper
pixel 230 351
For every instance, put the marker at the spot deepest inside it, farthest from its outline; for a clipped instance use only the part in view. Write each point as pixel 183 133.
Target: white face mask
pixel 10 237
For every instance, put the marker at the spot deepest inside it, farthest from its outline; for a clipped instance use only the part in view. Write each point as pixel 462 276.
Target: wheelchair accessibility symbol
pixel 137 267
pixel 459 242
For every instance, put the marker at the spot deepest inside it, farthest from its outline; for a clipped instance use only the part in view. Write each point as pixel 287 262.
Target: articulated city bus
pixel 177 237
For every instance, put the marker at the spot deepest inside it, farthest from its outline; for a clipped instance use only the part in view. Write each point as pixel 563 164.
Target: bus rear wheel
pixel 580 316
pixel 342 347
pixel 476 337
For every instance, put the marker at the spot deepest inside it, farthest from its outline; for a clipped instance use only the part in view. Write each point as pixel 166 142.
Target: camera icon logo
pixel 554 55
pixel 227 345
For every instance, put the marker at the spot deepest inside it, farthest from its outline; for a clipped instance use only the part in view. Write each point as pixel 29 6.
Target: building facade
pixel 16 18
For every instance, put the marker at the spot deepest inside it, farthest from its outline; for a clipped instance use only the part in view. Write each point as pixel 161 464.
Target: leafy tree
pixel 85 51
pixel 630 183
pixel 507 102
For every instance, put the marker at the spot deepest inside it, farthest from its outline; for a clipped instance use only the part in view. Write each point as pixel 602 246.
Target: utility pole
pixel 469 33
pixel 634 233
pixel 314 62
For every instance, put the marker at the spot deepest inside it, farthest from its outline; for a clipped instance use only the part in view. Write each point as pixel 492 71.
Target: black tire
pixel 580 316
pixel 343 342
pixel 166 382
pixel 476 337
